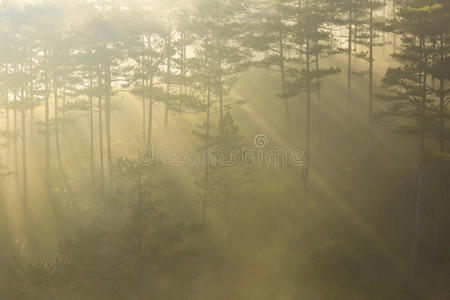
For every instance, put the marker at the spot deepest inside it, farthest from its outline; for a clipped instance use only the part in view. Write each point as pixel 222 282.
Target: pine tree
pixel 152 248
pixel 310 27
pixel 439 69
pixel 271 33
pixel 410 93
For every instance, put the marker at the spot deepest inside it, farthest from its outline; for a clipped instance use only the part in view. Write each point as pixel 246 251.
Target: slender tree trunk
pixel 31 96
pixel 91 129
pixel 208 105
pixel 47 135
pixel 308 107
pixel 349 92
pixel 169 62
pixel 183 89
pixel 318 87
pixel 442 183
pixel 227 212
pixel 57 137
pixel 185 68
pixel 144 118
pixel 100 134
pixel 149 79
pixel 417 227
pixel 16 153
pixel 7 116
pixel 108 124
pixel 220 92
pixel 24 154
pixel 283 81
pixel 349 66
pixel 150 112
pixel 8 129
pixel 394 36
pixel 31 122
pixel 64 100
pixel 384 31
pixel 371 149
pixel 140 236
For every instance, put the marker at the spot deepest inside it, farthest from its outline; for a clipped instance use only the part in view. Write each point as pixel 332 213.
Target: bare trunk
pixel 417 227
pixel 384 31
pixel 16 153
pixel 394 36
pixel 208 104
pixel 371 150
pixel 227 213
pixel 91 129
pixel 318 87
pixel 108 124
pixel 100 134
pixel 47 136
pixel 150 112
pixel 57 137
pixel 24 155
pixel 64 100
pixel 220 93
pixel 349 66
pixel 140 237
pixel 308 109
pixel 349 92
pixel 31 96
pixel 7 116
pixel 144 118
pixel 169 61
pixel 149 80
pixel 442 183
pixel 283 82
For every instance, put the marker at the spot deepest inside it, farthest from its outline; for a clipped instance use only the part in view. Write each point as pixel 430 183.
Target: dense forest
pixel 224 149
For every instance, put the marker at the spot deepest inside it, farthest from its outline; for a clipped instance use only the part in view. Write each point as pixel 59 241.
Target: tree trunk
pixel 7 116
pixel 308 108
pixel 417 227
pixel 227 212
pixel 47 136
pixel 283 82
pixel 100 132
pixel 91 129
pixel 140 236
pixel 349 92
pixel 183 89
pixel 144 118
pixel 371 149
pixel 220 93
pixel 57 139
pixel 169 61
pixel 64 100
pixel 208 104
pixel 149 79
pixel 394 36
pixel 16 153
pixel 384 31
pixel 31 97
pixel 24 155
pixel 318 87
pixel 108 124
pixel 150 113
pixel 349 66
pixel 442 183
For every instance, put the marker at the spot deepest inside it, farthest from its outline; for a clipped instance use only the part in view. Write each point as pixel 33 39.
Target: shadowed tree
pixel 411 92
pixel 271 33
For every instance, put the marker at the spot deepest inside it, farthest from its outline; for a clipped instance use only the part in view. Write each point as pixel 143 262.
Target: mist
pixel 222 149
